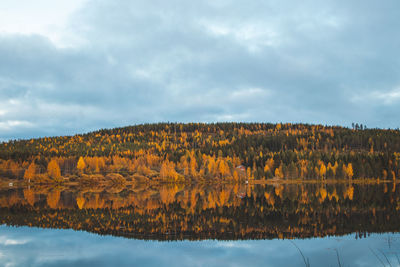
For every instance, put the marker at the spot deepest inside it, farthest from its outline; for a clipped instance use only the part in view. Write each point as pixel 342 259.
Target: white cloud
pixel 249 93
pixel 12 124
pixel 379 97
pixel 231 244
pixel 44 17
pixel 12 242
pixel 253 36
pixel 388 97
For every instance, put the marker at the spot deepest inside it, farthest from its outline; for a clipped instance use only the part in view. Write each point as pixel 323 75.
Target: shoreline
pixel 10 184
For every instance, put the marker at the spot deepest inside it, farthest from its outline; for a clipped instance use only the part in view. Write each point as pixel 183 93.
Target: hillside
pixel 207 152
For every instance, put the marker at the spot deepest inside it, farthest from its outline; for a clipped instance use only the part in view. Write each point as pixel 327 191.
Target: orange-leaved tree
pixel 30 172
pixel 81 165
pixel 53 170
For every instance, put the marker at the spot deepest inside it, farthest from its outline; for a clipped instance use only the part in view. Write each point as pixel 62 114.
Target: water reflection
pixel 25 246
pixel 196 212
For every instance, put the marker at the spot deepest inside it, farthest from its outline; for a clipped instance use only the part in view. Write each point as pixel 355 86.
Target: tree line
pixel 207 152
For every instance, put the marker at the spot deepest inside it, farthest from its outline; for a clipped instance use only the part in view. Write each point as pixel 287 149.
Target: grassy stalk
pixel 373 252
pixel 338 259
pixel 385 257
pixel 306 262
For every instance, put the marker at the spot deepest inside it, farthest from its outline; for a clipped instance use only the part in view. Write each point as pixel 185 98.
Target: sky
pixel 73 66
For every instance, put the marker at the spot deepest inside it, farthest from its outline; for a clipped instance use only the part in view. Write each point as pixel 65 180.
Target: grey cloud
pixel 149 61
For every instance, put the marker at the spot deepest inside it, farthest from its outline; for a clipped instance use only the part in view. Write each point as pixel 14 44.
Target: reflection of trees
pixel 197 212
pixel 29 195
pixel 52 198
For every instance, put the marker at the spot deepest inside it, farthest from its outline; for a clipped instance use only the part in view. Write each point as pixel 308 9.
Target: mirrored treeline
pixel 225 212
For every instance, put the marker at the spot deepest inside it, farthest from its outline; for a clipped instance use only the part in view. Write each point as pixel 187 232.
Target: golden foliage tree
pixel 53 169
pixel 81 164
pixel 279 172
pixel 223 168
pixel 348 170
pixel 235 175
pixel 30 172
pixel 193 165
pixel 322 170
pixel 168 170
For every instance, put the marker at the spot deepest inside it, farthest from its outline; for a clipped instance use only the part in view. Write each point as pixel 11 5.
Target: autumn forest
pixel 196 152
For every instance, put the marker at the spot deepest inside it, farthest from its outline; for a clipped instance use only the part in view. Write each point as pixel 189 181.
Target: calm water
pixel 224 225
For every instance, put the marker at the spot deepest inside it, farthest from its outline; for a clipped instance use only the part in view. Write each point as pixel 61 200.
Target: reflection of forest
pixel 174 212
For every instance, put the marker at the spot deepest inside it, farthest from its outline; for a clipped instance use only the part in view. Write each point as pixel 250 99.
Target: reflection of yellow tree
pixel 29 195
pixel 13 199
pixel 350 192
pixel 322 192
pixel 334 195
pixel 167 194
pixel 223 197
pixel 80 201
pixel 52 198
pixel 270 198
pixel 278 190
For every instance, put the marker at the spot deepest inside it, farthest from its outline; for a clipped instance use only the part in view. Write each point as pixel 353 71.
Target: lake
pixel 335 224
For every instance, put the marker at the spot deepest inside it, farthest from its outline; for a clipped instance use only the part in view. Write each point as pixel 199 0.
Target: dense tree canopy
pixel 212 152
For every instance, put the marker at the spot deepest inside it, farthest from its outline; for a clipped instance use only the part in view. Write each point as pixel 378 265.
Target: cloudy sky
pixel 72 66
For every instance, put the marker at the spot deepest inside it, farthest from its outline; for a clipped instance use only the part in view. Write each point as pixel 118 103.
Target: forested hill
pixel 221 151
